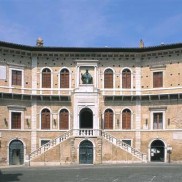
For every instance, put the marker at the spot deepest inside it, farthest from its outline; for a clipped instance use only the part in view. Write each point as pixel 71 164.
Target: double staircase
pixel 87 133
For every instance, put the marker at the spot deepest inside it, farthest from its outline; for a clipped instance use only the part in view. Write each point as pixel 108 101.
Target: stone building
pixel 63 105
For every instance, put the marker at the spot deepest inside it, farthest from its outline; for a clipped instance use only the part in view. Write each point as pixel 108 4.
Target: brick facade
pixel 150 135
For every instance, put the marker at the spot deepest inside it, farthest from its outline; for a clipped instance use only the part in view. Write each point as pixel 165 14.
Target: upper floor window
pixel 45 119
pixel 108 119
pixel 108 78
pixel 16 120
pixel 157 79
pixel 64 119
pixel 16 77
pixel 126 119
pixel 46 78
pixel 64 78
pixel 126 78
pixel 158 120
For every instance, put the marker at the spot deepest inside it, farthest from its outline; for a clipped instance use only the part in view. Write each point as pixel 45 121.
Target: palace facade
pixel 63 106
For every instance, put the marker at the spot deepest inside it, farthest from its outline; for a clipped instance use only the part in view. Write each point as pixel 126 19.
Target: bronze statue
pixel 86 78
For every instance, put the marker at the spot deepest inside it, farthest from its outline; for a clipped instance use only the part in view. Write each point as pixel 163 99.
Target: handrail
pixel 87 133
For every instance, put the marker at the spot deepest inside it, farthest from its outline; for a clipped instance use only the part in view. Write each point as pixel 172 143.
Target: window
pixel 46 78
pixel 64 119
pixel 157 120
pixel 108 119
pixel 128 142
pixel 126 78
pixel 64 78
pixel 16 120
pixel 157 79
pixel 16 77
pixel 108 78
pixel 43 142
pixel 45 119
pixel 126 119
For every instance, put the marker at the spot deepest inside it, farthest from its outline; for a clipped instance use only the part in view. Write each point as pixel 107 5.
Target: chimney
pixel 39 42
pixel 141 44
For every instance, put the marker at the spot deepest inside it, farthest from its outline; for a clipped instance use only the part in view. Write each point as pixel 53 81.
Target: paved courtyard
pixel 101 173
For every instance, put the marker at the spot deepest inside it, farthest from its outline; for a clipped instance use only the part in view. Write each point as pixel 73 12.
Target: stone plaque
pixel 177 135
pixel 2 72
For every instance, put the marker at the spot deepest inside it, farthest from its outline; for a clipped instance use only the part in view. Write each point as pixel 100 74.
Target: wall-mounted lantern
pixel 5 122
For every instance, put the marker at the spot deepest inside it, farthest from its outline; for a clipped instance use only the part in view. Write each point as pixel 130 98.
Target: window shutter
pixel 46 78
pixel 157 79
pixel 108 79
pixel 108 119
pixel 64 119
pixel 16 120
pixel 64 79
pixel 126 79
pixel 45 119
pixel 126 119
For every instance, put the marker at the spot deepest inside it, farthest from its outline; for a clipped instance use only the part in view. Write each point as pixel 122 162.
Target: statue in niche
pixel 86 77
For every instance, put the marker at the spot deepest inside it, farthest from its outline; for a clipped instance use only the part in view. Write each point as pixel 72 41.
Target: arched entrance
pixel 16 152
pixel 86 118
pixel 157 151
pixel 86 152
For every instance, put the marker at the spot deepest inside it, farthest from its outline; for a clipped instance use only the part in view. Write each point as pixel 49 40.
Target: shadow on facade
pixel 9 177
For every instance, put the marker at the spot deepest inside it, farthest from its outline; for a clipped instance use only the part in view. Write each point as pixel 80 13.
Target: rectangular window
pixel 43 142
pixel 157 79
pixel 157 120
pixel 128 142
pixel 16 77
pixel 16 120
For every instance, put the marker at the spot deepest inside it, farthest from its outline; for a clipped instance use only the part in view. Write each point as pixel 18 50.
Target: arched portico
pixel 86 118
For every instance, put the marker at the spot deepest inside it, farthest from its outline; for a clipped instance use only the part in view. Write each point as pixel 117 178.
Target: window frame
pixel 50 121
pixel 68 122
pixel 161 81
pixel 113 80
pixel 113 118
pixel 163 111
pixel 123 121
pixel 11 77
pixel 69 80
pixel 130 83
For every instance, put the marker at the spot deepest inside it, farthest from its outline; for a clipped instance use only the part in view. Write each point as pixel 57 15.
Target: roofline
pixel 90 49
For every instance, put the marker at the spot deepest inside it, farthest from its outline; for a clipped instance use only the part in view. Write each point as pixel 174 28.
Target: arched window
pixel 108 119
pixel 45 119
pixel 64 119
pixel 64 78
pixel 126 119
pixel 46 78
pixel 126 78
pixel 108 78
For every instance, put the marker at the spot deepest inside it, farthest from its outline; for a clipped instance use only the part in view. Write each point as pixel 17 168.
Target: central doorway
pixel 86 152
pixel 86 119
pixel 157 151
pixel 16 153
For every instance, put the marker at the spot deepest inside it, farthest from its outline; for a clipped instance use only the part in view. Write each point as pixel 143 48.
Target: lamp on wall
pixel 118 122
pixel 168 121
pixel 5 122
pixel 54 122
pixel 28 122
pixel 146 122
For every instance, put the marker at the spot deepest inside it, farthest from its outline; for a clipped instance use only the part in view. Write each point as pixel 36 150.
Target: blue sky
pixel 91 23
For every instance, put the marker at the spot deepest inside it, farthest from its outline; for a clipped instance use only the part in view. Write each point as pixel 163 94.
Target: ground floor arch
pixel 86 152
pixel 16 152
pixel 86 118
pixel 157 151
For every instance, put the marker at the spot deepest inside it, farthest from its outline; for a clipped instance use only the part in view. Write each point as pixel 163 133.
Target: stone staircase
pixel 87 133
pixel 119 143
